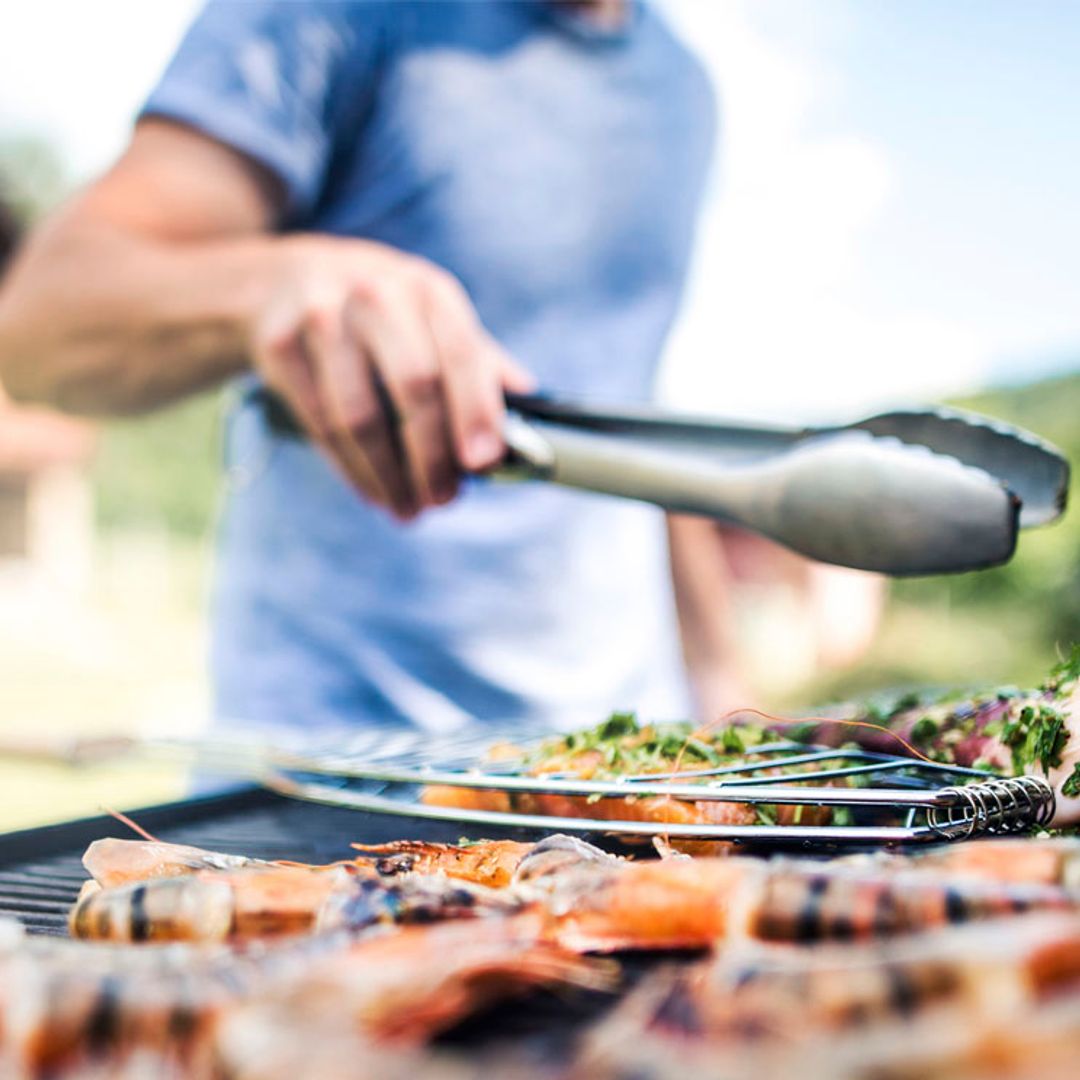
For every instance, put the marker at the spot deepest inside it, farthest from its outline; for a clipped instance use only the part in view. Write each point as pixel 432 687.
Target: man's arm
pixel 162 279
pixel 139 290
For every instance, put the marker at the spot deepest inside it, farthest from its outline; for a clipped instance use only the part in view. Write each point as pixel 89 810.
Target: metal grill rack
pixel 888 798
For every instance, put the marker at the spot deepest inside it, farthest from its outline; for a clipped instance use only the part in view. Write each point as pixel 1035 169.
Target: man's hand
pixel 164 277
pixel 381 356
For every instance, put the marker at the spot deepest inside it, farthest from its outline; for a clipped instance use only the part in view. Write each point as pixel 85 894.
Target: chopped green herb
pixel 622 745
pixel 1064 674
pixel 618 724
pixel 1036 736
pixel 1071 787
pixel 924 729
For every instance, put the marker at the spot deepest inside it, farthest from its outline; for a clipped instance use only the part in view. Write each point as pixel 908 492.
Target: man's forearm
pixel 99 320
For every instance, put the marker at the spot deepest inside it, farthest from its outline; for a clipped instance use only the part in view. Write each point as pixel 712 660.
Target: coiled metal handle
pixel 993 807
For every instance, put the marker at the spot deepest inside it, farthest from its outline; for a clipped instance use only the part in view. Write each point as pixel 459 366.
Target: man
pixel 390 213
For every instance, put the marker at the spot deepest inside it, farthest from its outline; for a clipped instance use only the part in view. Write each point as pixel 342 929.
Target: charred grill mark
pixel 140 922
pixel 808 922
pixel 183 1021
pixel 402 863
pixel 80 922
pixel 103 1023
pixel 955 905
pixel 903 990
pixel 678 1011
pixel 887 918
pixel 745 976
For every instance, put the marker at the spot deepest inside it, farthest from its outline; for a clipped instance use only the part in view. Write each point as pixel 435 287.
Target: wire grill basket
pixel 885 798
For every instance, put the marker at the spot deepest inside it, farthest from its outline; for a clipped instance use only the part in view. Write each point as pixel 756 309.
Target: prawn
pixel 113 862
pixel 1049 861
pixel 67 1004
pixel 694 903
pixel 850 1003
pixel 485 862
pixel 493 863
pixel 403 987
pixel 269 902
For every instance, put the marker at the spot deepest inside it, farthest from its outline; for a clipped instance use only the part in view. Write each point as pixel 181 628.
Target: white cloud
pixel 772 326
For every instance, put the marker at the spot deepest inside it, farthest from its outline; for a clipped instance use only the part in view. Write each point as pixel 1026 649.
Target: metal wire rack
pixel 886 798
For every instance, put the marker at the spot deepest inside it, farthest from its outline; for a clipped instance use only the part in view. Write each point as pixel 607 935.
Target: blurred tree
pixel 1000 625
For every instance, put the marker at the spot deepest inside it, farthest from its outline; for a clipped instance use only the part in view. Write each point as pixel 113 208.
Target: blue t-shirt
pixel 556 169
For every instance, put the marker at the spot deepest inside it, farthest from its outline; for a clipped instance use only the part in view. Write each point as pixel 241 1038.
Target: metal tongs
pixel 909 492
pixel 926 491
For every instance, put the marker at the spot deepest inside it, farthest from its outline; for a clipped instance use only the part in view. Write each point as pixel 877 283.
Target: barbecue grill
pixel 41 874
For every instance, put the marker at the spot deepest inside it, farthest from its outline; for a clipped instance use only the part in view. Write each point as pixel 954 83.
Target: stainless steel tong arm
pixel 849 498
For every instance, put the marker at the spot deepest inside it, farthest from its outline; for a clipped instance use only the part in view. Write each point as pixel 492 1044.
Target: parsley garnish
pixel 1071 787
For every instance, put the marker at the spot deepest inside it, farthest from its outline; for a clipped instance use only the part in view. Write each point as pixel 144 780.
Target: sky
pixel 894 214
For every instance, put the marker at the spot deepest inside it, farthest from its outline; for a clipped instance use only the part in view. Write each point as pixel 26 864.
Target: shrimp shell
pixel 207 906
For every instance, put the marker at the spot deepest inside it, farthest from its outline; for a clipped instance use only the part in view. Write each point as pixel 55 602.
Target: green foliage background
pixel 1005 625
pixel 161 472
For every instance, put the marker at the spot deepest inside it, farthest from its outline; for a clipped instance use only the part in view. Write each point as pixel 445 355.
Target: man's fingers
pixel 515 378
pixel 404 358
pixel 470 364
pixel 287 370
pixel 359 434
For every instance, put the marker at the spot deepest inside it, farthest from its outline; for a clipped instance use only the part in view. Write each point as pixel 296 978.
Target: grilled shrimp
pixel 693 903
pixel 65 1005
pixel 486 862
pixel 207 905
pixel 850 1007
pixel 269 902
pixel 788 993
pixel 406 985
pixel 265 1042
pixel 1051 861
pixel 70 1005
pixel 116 862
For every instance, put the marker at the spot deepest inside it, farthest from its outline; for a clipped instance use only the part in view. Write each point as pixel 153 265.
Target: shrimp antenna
pixel 132 825
pixel 705 728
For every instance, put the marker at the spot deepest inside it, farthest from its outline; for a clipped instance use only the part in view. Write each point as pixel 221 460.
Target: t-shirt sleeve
pixel 276 81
